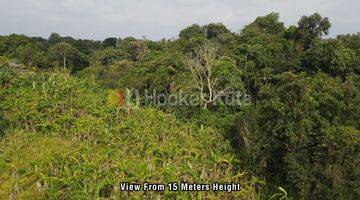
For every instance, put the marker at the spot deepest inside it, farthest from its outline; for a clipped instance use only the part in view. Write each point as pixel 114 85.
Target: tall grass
pixel 64 140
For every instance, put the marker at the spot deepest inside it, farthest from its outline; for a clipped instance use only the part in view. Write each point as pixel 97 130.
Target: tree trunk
pixel 64 60
pixel 205 105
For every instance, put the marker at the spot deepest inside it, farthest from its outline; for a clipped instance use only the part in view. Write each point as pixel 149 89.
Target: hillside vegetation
pixel 63 139
pixel 275 108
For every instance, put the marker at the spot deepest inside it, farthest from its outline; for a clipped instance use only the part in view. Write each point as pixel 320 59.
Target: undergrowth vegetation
pixel 64 140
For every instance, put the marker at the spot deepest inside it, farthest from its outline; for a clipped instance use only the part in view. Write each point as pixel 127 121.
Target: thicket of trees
pixel 301 130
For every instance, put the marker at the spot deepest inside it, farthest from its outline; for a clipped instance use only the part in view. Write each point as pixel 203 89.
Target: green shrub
pixel 4 62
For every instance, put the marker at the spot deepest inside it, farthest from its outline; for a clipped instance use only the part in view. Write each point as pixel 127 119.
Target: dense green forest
pixel 77 117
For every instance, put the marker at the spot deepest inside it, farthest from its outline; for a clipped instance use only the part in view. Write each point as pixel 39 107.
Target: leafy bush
pixel 4 62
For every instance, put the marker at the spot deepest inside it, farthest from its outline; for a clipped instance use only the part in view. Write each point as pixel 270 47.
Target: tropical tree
pixel 32 55
pixel 65 55
pixel 192 31
pixel 214 30
pixel 213 75
pixel 270 23
pixel 54 38
pixel 344 61
pixel 109 42
pixel 312 27
pixel 61 52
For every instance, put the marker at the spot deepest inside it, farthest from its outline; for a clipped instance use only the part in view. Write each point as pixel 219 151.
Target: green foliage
pixel 319 56
pixel 65 55
pixel 270 23
pixel 312 27
pixel 110 42
pixel 4 62
pixel 108 56
pixel 314 142
pixel 193 31
pixel 32 55
pixel 351 40
pixel 71 144
pixel 343 61
pixel 331 56
pixel 84 46
pixel 214 30
pixel 54 38
pixel 9 44
pixel 195 35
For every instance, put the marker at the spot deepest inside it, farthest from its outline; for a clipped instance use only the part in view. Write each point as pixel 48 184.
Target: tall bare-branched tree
pixel 202 64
